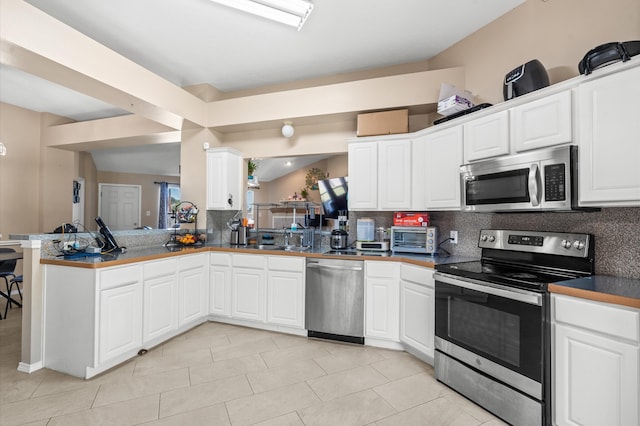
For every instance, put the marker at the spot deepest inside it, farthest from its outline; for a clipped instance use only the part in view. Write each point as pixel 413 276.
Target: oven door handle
pixel 534 184
pixel 483 287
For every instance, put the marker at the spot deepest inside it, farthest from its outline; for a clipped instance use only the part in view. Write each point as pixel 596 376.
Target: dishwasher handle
pixel 334 267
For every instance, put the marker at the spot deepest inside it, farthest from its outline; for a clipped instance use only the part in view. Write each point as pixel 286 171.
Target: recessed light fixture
pixel 288 12
pixel 3 150
pixel 288 163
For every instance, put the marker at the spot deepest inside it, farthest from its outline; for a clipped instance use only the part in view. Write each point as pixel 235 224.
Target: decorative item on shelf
pixel 251 168
pixel 313 176
pixel 304 193
pixel 185 212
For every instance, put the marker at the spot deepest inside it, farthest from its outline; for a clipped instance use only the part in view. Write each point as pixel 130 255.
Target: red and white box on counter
pixel 411 219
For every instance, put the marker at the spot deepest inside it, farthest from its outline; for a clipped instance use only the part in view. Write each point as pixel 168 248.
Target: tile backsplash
pixel 616 232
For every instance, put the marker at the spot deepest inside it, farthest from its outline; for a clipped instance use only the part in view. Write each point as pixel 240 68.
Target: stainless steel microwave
pixel 541 180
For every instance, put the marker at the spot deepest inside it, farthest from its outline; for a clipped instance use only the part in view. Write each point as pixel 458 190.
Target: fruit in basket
pixel 188 239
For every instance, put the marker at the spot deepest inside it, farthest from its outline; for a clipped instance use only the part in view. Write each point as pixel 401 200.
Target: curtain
pixel 164 202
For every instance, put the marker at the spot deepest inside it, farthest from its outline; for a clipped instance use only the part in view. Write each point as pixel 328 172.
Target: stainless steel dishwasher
pixel 335 299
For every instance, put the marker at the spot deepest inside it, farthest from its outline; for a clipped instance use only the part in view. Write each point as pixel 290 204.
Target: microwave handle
pixel 534 184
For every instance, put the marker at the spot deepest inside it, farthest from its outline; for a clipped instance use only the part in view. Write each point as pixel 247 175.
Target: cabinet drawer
pixel 382 269
pixel 249 261
pixel 603 318
pixel 192 261
pixel 286 263
pixel 415 274
pixel 160 268
pixel 220 259
pixel 119 276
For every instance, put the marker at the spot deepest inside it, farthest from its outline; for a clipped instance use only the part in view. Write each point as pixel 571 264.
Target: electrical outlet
pixel 454 237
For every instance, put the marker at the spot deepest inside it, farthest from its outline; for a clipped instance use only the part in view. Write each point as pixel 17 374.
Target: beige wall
pixel 20 184
pixel 557 32
pixel 150 193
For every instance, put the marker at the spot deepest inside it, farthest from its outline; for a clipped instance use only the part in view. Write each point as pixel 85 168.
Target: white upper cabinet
pixel 442 183
pixel 542 123
pixel 419 165
pixel 380 175
pixel 486 137
pixel 394 171
pixel 224 179
pixel 608 132
pixel 363 175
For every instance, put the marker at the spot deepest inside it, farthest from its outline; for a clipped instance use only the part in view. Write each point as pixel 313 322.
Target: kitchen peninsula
pixel 125 304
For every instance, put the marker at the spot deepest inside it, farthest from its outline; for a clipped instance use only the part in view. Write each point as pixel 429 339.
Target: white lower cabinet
pixel 417 310
pixel 220 284
pixel 160 298
pixel 248 287
pixel 120 316
pixel 285 291
pixel 382 304
pixel 193 288
pixel 596 364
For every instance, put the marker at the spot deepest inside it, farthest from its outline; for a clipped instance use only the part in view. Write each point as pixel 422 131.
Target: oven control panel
pixel 556 243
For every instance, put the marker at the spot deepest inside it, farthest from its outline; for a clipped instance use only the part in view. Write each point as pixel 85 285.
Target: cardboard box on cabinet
pixel 383 123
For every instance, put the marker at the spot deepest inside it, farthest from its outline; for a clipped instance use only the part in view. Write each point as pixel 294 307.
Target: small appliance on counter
pixel 524 79
pixel 365 229
pixel 338 240
pixel 372 245
pixel 414 239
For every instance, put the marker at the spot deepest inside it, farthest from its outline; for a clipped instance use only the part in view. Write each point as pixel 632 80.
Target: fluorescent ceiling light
pixel 288 12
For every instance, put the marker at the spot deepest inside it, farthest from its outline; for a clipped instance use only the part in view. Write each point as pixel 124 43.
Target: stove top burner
pixel 505 274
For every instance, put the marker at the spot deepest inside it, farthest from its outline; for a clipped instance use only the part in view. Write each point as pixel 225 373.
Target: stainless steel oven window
pixel 484 324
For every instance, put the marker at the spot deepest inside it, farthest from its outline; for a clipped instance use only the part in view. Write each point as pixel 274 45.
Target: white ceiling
pixel 197 41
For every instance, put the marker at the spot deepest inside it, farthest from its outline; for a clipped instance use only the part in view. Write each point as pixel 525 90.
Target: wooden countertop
pixel 607 289
pixel 601 288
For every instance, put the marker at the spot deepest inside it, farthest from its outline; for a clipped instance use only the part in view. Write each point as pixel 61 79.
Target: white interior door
pixel 120 205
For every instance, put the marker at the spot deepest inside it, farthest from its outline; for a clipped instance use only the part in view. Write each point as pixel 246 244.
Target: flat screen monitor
pixel 333 196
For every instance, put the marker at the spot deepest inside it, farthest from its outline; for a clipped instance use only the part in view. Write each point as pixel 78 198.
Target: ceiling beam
pixel 37 43
pixel 126 130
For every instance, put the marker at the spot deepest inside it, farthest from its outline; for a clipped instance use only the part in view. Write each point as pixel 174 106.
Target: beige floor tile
pixel 244 348
pixel 139 386
pixel 182 400
pixel 286 356
pixel 398 367
pixel 244 335
pixel 43 422
pixel 17 386
pixel 347 359
pixel 226 368
pixel 153 365
pixel 209 329
pixel 129 412
pixel 438 412
pixel 411 391
pixel 45 407
pixel 289 374
pixel 346 382
pixel 288 340
pixel 213 415
pixel 55 382
pixel 357 409
pixel 176 346
pixel 268 405
pixel 290 419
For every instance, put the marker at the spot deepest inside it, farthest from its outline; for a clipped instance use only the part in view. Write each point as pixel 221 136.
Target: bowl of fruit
pixel 187 239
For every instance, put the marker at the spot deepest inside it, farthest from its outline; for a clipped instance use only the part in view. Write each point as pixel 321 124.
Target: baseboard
pixel 30 368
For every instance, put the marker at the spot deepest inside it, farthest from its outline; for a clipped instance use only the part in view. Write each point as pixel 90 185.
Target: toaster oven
pixel 414 239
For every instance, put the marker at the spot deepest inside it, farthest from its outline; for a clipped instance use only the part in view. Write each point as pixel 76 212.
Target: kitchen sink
pixel 293 248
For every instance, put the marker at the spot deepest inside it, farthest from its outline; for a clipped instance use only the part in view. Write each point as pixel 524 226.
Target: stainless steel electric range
pixel 493 324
